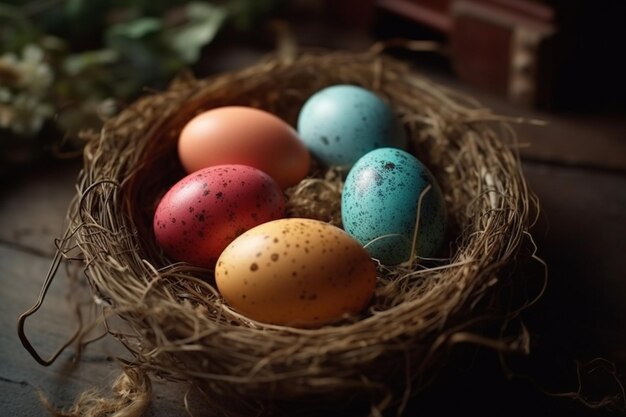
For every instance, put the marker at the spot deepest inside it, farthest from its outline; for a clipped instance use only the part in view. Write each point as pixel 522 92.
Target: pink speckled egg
pixel 205 211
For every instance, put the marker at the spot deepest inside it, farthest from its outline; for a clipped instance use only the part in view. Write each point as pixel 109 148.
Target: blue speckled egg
pixel 379 206
pixel 341 123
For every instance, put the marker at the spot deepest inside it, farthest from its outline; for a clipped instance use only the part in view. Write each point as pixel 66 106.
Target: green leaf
pixel 135 29
pixel 204 22
pixel 77 63
pixel 75 7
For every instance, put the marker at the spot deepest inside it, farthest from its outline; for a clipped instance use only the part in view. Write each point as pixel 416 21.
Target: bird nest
pixel 181 328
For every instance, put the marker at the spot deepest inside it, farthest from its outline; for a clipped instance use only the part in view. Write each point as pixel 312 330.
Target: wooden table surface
pixel 576 167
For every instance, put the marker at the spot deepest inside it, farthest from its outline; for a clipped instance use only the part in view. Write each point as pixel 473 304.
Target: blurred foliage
pixel 65 64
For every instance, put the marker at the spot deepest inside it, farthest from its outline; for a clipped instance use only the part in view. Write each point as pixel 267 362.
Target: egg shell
pixel 296 272
pixel 379 206
pixel 205 211
pixel 246 136
pixel 341 123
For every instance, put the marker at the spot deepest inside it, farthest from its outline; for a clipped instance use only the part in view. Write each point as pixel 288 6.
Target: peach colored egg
pixel 205 211
pixel 246 136
pixel 296 272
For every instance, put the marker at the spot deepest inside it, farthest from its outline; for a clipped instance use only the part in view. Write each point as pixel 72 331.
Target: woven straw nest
pixel 181 329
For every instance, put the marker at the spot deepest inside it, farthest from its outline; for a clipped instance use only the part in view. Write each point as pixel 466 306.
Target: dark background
pixel 576 165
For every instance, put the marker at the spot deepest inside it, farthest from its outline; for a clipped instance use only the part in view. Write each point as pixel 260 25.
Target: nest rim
pixel 492 212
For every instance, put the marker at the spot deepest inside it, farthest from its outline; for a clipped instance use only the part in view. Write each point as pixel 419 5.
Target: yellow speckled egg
pixel 296 272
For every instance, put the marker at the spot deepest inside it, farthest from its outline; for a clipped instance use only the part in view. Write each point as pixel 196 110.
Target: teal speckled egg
pixel 341 123
pixel 379 206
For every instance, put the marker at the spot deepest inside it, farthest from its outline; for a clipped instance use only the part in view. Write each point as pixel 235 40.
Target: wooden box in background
pixel 498 45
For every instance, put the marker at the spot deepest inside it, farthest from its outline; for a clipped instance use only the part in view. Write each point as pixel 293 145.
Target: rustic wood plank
pixel 34 202
pixel 578 140
pixel 581 236
pixel 32 215
pixel 21 275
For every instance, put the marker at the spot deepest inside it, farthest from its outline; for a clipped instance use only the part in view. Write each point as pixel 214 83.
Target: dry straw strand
pixel 132 392
pixel 182 330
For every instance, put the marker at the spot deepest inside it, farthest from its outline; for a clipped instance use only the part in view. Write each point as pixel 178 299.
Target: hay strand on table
pixel 132 392
pixel 177 324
